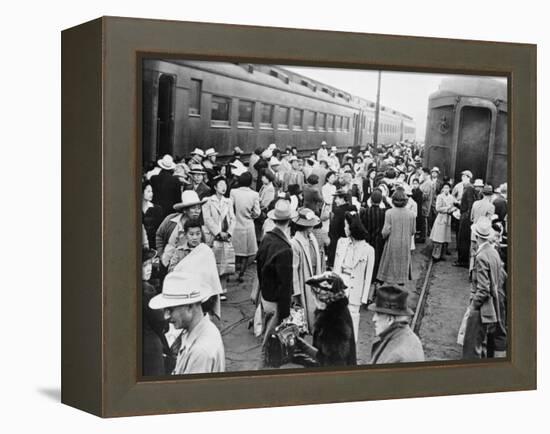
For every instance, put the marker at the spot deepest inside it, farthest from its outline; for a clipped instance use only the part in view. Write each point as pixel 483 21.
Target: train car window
pixel 246 113
pixel 338 123
pixel 220 110
pixel 298 119
pixel 266 117
pixel 346 123
pixel 283 117
pixel 195 92
pixel 330 122
pixel 310 120
pixel 322 121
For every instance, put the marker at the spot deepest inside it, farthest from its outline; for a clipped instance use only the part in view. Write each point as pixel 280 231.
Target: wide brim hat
pixel 333 148
pixel 197 169
pixel 328 281
pixel 282 211
pixel 391 300
pixel 188 198
pixel 488 189
pixel 167 163
pixel 434 169
pixel 467 173
pixel 306 217
pixel 209 152
pixel 181 288
pixel 479 183
pixel 197 151
pixel 483 228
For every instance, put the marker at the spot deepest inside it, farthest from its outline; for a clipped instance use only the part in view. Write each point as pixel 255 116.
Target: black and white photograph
pixel 314 217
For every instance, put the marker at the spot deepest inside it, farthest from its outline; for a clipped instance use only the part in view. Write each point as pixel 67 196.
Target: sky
pixel 407 92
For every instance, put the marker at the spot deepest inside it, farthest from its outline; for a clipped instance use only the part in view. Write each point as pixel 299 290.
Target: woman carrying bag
pixel 219 222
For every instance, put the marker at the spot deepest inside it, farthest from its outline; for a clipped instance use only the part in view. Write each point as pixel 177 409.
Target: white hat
pixel 435 169
pixel 478 183
pixel 188 198
pixel 198 151
pixel 267 154
pixel 274 161
pixel 167 163
pixel 333 148
pixel 282 211
pixel 209 152
pixel 272 146
pixel 323 143
pixel 181 288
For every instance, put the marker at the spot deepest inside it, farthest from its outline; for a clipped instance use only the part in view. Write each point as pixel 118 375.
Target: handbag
pixel 325 212
pixel 225 257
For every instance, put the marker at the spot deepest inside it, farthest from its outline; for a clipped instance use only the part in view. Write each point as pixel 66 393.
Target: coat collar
pixel 280 234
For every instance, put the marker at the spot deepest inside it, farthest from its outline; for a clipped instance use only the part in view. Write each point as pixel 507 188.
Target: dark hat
pixel 391 300
pixel 147 254
pixel 329 281
pixel 488 189
pixel 313 179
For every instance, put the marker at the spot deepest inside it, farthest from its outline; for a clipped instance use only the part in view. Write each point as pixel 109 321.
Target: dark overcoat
pixel 333 335
pixel 166 191
pixel 274 266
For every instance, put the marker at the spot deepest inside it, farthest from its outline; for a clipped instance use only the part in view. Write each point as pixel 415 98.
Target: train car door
pixel 165 116
pixel 474 138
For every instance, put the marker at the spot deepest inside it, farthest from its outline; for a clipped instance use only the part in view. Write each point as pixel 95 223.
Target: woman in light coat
pixel 219 220
pixel 441 230
pixel 354 262
pixel 246 204
pixel 306 262
pixel 399 226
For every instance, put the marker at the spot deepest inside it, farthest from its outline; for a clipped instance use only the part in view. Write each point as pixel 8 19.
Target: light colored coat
pixel 441 230
pixel 214 211
pixel 246 204
pixel 398 344
pixel 395 262
pixel 201 350
pixel 302 266
pixel 358 278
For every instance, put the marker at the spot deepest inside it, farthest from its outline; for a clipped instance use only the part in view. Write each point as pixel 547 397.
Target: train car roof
pixel 480 87
pixel 284 79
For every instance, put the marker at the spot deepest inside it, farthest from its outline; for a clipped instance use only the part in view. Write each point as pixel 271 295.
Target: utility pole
pixel 377 112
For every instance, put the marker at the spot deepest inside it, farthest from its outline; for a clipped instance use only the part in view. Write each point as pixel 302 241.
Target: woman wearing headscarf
pixel 354 262
pixel 399 227
pixel 246 204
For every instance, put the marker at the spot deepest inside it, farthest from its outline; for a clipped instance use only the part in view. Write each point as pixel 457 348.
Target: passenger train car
pixel 188 104
pixel 467 128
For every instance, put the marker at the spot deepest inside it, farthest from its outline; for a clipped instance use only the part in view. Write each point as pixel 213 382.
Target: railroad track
pixel 419 311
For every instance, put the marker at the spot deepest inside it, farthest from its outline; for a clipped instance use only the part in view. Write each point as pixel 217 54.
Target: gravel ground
pixel 242 348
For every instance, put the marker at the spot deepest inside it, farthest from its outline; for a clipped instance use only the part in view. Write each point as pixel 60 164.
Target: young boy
pixel 192 237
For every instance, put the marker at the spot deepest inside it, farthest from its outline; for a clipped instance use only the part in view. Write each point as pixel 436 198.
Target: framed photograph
pixel 272 217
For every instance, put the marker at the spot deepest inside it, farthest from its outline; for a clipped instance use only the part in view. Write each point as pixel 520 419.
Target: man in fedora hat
pixel 170 231
pixel 201 349
pixel 485 334
pixel 274 266
pixel 197 155
pixel 294 175
pixel 197 181
pixel 166 187
pixel 209 164
pixel 396 342
pixel 484 206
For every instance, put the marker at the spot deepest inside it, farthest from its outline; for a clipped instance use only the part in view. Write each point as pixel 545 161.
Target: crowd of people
pixel 328 233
